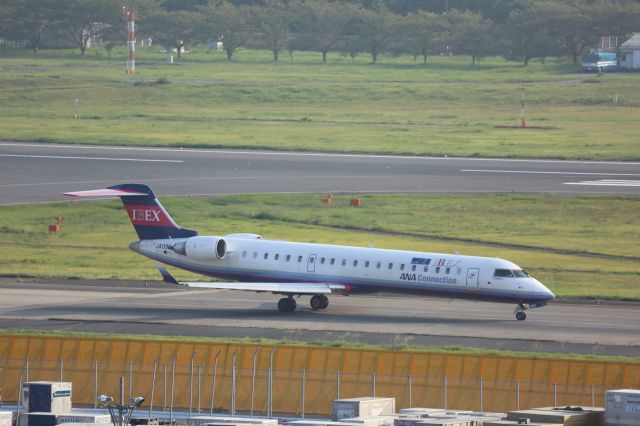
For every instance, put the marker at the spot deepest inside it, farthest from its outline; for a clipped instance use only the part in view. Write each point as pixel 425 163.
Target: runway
pixel 40 172
pixel 161 309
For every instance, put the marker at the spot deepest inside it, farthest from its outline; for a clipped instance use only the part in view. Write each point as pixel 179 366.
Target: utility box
pixel 47 397
pixel 622 407
pixel 6 418
pixel 362 407
pixel 37 419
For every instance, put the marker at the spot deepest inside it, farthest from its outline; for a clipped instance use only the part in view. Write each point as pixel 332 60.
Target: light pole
pixel 120 413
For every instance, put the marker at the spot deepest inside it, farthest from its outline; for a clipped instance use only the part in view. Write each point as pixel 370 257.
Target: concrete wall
pixel 572 382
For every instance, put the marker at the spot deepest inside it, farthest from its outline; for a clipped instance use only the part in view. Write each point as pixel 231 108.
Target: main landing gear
pixel 519 311
pixel 288 304
pixel 319 301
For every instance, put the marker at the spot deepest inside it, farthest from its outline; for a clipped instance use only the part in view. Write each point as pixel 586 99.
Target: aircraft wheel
pixel 325 302
pixel 317 302
pixel 521 316
pixel 286 304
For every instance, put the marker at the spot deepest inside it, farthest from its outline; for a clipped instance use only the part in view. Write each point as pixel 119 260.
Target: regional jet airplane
pixel 301 269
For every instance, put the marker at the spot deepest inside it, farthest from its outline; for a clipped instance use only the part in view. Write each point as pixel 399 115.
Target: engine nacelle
pixel 203 248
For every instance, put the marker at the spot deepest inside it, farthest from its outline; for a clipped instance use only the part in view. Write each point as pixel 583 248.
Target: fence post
pixel 410 395
pixel 153 385
pixel 555 394
pixel 199 387
pixel 164 387
pixel 95 386
pixel 27 370
pixel 481 395
pixel 173 378
pixel 19 396
pixel 61 369
pixel 593 396
pixel 191 384
pixel 373 382
pixel 445 392
pixel 337 384
pixel 303 383
pixel 518 395
pixel 253 379
pixel 233 383
pixel 130 379
pixel 270 384
pixel 213 381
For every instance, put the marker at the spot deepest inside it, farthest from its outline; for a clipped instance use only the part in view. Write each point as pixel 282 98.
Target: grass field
pixel 447 107
pixel 578 246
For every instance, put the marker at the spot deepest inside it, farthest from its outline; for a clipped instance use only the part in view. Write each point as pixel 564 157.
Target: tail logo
pixel 148 215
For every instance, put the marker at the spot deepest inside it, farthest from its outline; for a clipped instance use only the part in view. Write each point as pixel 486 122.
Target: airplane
pixel 298 269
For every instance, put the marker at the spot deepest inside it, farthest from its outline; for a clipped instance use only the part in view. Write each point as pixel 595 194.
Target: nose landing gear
pixel 519 311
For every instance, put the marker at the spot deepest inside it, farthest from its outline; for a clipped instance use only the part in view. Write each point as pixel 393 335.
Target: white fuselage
pixel 359 270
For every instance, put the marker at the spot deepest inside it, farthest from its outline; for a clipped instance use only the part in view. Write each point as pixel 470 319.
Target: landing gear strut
pixel 287 304
pixel 319 301
pixel 519 311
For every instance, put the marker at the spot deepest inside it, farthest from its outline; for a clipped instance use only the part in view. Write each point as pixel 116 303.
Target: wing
pixel 279 288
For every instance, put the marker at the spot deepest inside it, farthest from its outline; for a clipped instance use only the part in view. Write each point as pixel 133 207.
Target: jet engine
pixel 202 248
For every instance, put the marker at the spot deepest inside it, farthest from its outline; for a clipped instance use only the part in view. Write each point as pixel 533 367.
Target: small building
pixel 629 53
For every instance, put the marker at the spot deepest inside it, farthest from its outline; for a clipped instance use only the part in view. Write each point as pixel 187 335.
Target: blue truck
pixel 599 61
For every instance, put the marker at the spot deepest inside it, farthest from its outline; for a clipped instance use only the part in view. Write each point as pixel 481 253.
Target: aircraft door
pixel 311 263
pixel 472 278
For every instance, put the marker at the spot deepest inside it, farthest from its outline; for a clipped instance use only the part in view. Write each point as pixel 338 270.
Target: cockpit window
pixel 520 273
pixel 503 273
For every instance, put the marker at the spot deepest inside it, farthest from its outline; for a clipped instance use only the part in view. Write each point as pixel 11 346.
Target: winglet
pixel 166 275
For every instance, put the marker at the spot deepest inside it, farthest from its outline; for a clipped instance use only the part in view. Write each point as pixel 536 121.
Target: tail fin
pixel 150 220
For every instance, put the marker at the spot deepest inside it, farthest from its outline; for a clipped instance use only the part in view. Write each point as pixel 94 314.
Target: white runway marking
pixel 606 182
pixel 534 172
pixel 308 154
pixel 63 157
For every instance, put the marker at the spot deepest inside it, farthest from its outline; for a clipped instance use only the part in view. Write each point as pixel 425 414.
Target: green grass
pixel 583 246
pixel 464 350
pixel 447 107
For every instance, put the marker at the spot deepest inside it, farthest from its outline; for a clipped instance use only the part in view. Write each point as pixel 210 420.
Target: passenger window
pixel 446 271
pixel 277 256
pixel 366 264
pixel 413 268
pixel 322 260
pixel 266 256
pixel 402 266
pixel 344 262
pixel 459 271
pixel 355 263
pixel 390 265
pixel 244 253
pixel 437 269
pixel 333 260
pixel 312 259
pixel 426 268
pixel 299 259
pixel 378 265
pixel 255 254
pixel 288 257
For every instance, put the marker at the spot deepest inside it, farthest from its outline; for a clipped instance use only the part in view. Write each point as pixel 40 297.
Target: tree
pixel 30 20
pixel 227 23
pixel 84 20
pixel 323 23
pixel 470 34
pixel 526 35
pixel 173 30
pixel 272 20
pixel 376 29
pixel 423 32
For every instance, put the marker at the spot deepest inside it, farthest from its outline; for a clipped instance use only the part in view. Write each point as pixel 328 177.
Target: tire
pixel 521 316
pixel 286 304
pixel 317 302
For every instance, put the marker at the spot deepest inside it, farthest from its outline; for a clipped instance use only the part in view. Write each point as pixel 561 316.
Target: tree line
pixel 515 29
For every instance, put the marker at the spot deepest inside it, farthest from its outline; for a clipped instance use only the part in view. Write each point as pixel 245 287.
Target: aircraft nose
pixel 547 293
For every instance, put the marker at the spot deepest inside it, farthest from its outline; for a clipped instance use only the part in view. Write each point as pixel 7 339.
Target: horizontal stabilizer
pixel 107 192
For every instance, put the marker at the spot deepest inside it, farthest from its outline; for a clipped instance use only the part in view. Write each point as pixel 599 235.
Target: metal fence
pixel 212 388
